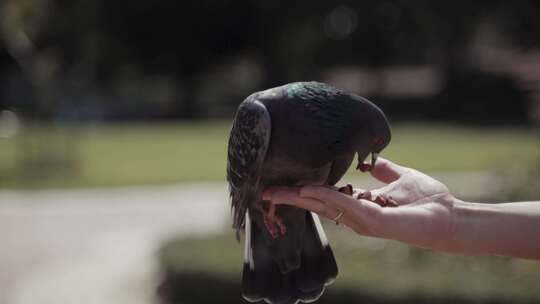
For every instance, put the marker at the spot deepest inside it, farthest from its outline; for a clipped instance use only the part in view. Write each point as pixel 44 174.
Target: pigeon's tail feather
pixel 319 266
pixel 263 280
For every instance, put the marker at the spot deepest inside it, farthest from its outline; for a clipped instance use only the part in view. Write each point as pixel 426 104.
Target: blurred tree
pixel 93 48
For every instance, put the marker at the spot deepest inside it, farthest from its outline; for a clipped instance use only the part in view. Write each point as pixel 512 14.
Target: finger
pixel 360 215
pixel 290 196
pixel 329 196
pixel 339 201
pixel 282 197
pixel 387 171
pixel 282 193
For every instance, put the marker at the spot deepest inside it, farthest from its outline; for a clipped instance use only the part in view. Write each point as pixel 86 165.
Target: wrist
pixel 468 221
pixel 460 212
pixel 448 224
pixel 436 229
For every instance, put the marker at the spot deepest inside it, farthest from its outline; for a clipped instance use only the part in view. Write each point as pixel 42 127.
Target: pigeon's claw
pixel 348 189
pixel 270 226
pixel 271 220
pixel 282 228
pixel 380 200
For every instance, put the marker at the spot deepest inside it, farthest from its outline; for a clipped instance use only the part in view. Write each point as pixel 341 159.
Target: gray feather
pixel 248 143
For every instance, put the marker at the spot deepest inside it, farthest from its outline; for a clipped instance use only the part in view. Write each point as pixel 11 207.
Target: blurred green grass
pixel 371 271
pixel 130 154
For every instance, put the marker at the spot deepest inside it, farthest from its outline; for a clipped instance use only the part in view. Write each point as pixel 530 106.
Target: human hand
pixel 423 216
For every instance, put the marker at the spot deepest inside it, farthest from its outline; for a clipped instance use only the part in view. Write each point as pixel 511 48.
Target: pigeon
pixel 302 133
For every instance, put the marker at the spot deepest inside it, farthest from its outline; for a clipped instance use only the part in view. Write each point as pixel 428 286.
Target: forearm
pixel 510 229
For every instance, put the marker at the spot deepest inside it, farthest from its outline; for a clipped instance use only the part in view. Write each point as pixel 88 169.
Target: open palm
pixel 422 214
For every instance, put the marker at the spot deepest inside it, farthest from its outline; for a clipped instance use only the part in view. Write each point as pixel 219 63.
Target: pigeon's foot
pixel 271 220
pixel 381 200
pixel 348 189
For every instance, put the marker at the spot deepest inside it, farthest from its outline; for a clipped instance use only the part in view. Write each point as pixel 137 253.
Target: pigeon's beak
pixel 364 167
pixel 374 157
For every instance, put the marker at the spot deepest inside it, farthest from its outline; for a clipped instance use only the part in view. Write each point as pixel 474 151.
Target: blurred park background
pixel 114 119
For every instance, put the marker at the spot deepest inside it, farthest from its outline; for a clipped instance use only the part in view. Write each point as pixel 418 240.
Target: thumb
pixel 387 171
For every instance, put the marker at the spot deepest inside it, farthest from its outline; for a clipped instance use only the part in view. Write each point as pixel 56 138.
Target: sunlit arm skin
pixel 510 229
pixel 427 214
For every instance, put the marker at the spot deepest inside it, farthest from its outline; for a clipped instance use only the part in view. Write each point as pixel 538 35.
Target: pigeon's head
pixel 374 138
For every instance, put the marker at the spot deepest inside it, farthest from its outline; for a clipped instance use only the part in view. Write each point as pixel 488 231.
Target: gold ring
pixel 336 219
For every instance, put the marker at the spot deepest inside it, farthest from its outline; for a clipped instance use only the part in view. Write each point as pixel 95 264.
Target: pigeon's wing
pixel 248 143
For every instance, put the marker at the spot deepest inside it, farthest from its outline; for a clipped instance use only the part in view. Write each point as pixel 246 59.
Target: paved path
pixel 98 246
